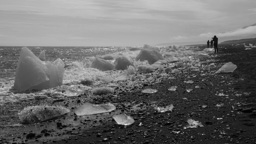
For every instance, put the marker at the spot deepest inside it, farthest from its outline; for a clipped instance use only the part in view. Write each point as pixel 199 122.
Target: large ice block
pixel 102 64
pixel 33 74
pixel 150 55
pixel 42 55
pixel 30 71
pixel 54 72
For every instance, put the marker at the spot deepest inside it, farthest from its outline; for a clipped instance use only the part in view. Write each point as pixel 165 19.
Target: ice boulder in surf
pixel 122 63
pixel 102 64
pixel 42 55
pixel 34 74
pixel 150 55
pixel 54 72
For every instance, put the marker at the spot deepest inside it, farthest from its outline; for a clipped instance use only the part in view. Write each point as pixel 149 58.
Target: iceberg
pixel 34 74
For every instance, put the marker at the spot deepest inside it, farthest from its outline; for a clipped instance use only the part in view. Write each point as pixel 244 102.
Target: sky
pixel 123 22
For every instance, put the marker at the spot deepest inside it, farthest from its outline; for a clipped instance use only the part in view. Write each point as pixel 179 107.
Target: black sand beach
pixel 227 116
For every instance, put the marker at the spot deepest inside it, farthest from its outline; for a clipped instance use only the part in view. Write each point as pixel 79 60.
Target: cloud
pixel 252 10
pixel 209 34
pixel 114 9
pixel 247 31
pixel 179 38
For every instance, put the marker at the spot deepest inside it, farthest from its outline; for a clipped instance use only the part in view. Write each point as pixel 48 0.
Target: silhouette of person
pixel 208 44
pixel 215 44
pixel 211 43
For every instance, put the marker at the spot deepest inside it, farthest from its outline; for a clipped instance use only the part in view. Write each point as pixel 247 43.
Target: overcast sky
pixel 122 22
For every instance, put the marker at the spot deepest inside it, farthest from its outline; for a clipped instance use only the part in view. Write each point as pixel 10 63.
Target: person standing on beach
pixel 215 43
pixel 208 44
pixel 211 43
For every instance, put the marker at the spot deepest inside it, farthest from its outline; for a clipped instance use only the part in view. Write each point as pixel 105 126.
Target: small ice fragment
pixel 197 87
pixel 173 88
pixel 165 109
pixel 193 124
pixel 149 91
pixel 246 93
pixel 238 95
pixel 189 82
pixel 90 109
pixel 171 78
pixel 204 106
pixel 221 94
pixel 219 105
pixel 123 119
pixel 176 132
pixel 189 90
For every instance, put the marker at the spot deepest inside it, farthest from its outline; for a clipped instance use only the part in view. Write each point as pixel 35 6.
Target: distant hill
pixel 241 41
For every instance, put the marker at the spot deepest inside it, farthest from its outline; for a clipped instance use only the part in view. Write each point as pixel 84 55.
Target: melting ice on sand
pixel 123 119
pixel 90 109
pixel 227 68
pixel 164 109
pixel 149 91
pixel 193 124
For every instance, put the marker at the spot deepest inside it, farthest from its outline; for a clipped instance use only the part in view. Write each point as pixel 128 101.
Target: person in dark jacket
pixel 215 44
pixel 211 43
pixel 208 44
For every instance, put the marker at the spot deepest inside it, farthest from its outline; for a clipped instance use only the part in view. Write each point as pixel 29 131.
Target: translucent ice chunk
pixel 90 109
pixel 123 119
pixel 55 73
pixel 30 71
pixel 227 68
pixel 33 74
pixel 149 91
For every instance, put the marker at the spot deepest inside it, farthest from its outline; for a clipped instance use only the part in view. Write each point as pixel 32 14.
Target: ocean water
pixel 9 56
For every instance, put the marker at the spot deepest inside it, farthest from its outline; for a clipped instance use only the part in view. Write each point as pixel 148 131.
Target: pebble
pixel 30 136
